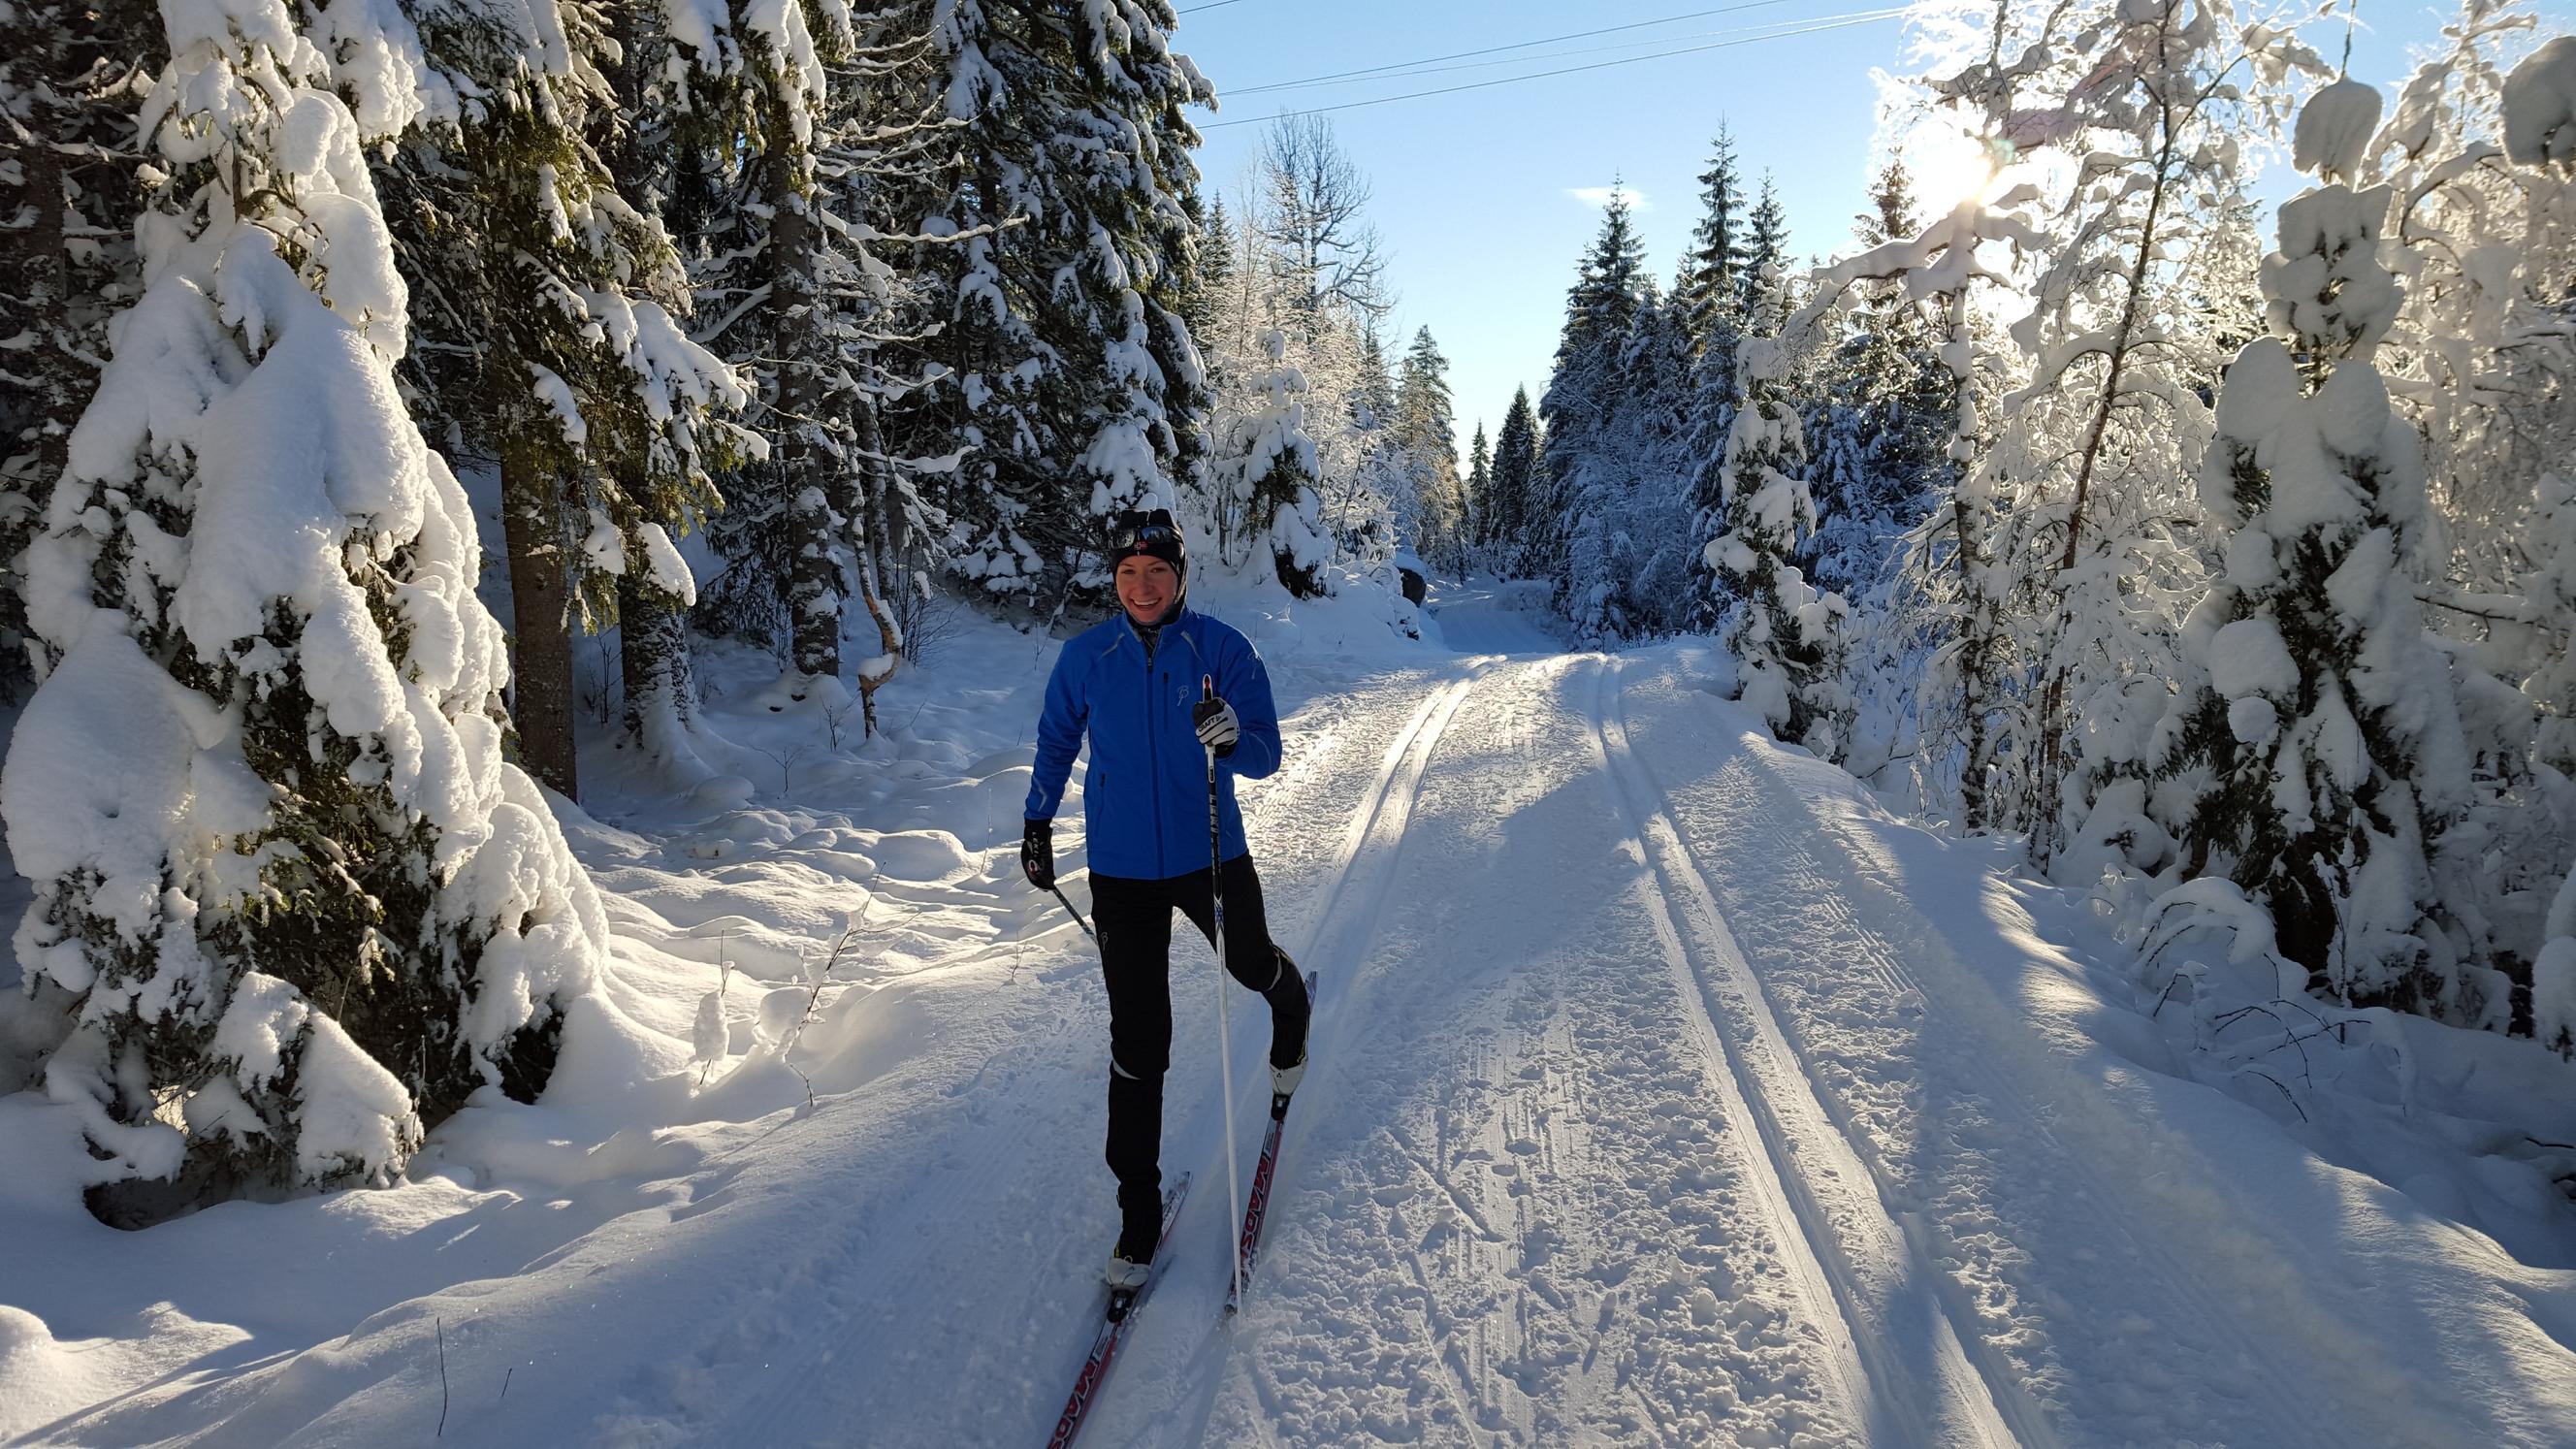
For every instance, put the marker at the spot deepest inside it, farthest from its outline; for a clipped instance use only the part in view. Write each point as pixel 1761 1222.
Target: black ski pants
pixel 1134 918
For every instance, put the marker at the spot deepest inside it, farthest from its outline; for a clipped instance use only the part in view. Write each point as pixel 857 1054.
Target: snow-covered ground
pixel 1666 1089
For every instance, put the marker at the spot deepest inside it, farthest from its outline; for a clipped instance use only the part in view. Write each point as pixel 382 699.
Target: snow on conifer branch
pixel 302 906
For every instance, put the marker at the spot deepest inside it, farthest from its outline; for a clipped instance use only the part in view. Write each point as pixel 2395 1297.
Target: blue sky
pixel 1475 192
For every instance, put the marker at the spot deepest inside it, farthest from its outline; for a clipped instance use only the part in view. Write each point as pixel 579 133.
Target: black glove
pixel 1218 729
pixel 1037 853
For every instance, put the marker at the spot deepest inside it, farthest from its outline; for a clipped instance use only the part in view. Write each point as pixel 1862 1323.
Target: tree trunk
pixel 2045 834
pixel 541 669
pixel 818 517
pixel 876 546
pixel 653 661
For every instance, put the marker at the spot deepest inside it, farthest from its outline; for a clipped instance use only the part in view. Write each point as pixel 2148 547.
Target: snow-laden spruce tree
pixel 1881 428
pixel 1955 595
pixel 1787 636
pixel 1514 507
pixel 67 126
pixel 1426 429
pixel 1878 421
pixel 1628 555
pixel 549 314
pixel 1582 482
pixel 2317 738
pixel 1710 296
pixel 301 905
pixel 2484 237
pixel 1079 392
pixel 1264 469
pixel 1475 493
pixel 790 152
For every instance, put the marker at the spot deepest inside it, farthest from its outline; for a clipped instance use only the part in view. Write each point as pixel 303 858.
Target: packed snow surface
pixel 1666 1089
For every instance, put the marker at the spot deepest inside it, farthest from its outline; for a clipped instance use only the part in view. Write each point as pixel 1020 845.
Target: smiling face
pixel 1146 587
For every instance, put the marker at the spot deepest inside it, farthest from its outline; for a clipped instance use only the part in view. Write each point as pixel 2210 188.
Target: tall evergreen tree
pixel 1787 638
pixel 1766 250
pixel 1882 428
pixel 1515 504
pixel 1477 492
pixel 1211 273
pixel 1711 293
pixel 1078 392
pixel 1373 399
pixel 1426 431
pixel 1266 466
pixel 801 533
pixel 1575 473
pixel 2318 735
pixel 301 906
pixel 549 341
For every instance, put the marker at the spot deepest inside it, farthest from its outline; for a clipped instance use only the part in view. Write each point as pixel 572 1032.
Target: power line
pixel 1211 5
pixel 1425 68
pixel 1516 45
pixel 1867 18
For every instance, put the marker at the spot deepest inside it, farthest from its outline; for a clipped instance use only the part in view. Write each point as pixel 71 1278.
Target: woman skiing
pixel 1155 686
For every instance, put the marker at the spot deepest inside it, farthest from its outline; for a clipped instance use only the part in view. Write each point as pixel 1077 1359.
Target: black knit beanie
pixel 1149 535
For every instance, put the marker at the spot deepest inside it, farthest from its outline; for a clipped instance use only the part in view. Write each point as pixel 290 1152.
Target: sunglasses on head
pixel 1135 529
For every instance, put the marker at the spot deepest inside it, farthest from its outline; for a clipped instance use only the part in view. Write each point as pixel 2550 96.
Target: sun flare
pixel 1948 166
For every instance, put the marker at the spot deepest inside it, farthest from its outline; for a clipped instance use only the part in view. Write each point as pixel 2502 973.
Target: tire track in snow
pixel 1923 1385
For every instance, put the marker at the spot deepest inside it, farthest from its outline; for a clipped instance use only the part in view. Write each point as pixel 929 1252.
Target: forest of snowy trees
pixel 2221 547
pixel 754 319
pixel 2214 546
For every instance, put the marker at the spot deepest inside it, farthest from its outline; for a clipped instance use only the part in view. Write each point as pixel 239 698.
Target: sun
pixel 1947 166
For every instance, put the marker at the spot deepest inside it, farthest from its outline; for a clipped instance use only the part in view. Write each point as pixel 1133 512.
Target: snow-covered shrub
pixel 1265 469
pixel 301 906
pixel 2553 978
pixel 2316 750
pixel 2540 106
pixel 1788 638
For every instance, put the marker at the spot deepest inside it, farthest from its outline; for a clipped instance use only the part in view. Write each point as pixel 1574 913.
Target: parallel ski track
pixel 1859 1257
pixel 1399 773
pixel 791 1417
pixel 1342 926
pixel 1866 922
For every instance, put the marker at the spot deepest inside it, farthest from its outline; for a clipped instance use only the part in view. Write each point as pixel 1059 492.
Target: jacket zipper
pixel 1154 761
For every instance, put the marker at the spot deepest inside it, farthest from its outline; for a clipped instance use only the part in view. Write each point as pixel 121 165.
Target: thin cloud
pixel 1600 196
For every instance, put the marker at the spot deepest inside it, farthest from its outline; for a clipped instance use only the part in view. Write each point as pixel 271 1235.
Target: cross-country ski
pixel 694 694
pixel 1118 1315
pixel 1256 1204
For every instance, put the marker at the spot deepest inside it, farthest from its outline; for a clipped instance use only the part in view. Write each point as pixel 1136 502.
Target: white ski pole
pixel 1224 1036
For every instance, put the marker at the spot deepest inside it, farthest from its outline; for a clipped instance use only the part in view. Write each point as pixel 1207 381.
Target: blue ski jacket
pixel 1146 798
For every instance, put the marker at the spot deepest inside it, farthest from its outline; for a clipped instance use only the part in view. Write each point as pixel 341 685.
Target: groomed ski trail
pixel 1923 1386
pixel 2022 1185
pixel 1648 1106
pixel 1515 1214
pixel 1003 1154
pixel 1339 926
